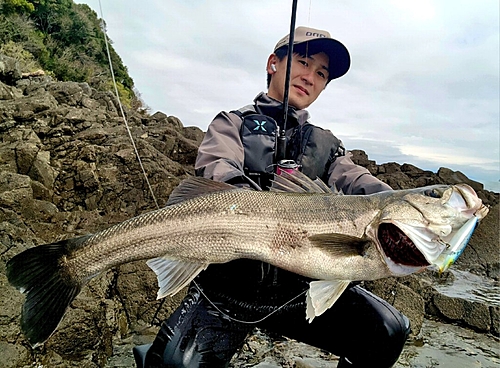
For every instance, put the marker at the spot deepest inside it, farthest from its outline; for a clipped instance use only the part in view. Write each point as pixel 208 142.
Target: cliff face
pixel 67 168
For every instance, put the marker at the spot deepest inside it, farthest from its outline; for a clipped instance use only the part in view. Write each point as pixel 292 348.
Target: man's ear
pixel 271 60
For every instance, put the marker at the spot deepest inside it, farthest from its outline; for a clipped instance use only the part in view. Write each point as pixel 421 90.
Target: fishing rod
pixel 281 145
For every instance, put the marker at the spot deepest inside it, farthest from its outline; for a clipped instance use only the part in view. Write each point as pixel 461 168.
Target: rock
pixel 471 314
pixel 9 92
pixel 26 109
pixel 449 346
pixel 15 191
pixel 69 93
pixel 13 355
pixel 262 350
pixel 359 157
pixel 137 287
pixel 406 300
pixel 10 70
pixel 495 320
pixel 481 253
pixel 456 177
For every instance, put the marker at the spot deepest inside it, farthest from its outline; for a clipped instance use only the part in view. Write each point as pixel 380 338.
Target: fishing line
pixel 247 322
pixel 309 14
pixel 122 112
pixel 308 24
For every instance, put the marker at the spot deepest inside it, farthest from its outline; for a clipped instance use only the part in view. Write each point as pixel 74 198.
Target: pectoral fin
pixel 340 244
pixel 322 295
pixel 173 275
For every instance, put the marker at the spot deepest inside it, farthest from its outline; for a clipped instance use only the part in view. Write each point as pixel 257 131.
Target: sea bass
pixel 300 226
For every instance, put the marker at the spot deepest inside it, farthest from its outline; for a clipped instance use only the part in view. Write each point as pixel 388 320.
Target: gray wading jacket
pixel 221 155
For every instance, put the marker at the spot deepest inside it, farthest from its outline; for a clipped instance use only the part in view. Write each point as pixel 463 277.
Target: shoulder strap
pixel 245 110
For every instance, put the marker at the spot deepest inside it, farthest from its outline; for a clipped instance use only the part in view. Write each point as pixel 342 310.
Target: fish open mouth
pixel 399 247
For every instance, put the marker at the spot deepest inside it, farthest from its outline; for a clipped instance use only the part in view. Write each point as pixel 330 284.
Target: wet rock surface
pixel 67 168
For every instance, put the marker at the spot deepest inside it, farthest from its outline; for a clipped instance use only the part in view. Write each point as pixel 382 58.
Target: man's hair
pixel 302 49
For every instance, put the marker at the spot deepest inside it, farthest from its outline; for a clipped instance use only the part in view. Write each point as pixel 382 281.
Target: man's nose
pixel 307 77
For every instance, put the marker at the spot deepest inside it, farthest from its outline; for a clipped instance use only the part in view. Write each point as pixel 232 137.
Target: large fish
pixel 300 226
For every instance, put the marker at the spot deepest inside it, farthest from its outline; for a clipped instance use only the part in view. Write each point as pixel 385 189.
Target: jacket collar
pixel 274 108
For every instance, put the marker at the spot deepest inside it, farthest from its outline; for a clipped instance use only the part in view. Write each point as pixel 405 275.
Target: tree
pixel 8 7
pixel 47 14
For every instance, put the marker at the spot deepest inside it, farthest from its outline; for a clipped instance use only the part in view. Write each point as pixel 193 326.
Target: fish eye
pixel 433 193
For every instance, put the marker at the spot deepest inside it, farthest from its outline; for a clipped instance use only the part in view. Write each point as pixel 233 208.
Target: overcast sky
pixel 423 86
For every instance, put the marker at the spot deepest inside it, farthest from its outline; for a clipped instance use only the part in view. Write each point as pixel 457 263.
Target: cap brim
pixel 340 60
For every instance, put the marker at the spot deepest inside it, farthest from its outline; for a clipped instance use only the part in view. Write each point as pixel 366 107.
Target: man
pixel 227 301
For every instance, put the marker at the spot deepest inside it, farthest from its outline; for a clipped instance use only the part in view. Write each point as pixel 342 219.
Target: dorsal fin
pixel 297 182
pixel 193 187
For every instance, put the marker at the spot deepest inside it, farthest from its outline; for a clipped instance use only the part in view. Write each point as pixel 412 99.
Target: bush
pixel 27 61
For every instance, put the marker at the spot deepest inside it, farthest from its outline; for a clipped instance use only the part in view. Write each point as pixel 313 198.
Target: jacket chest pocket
pixel 258 137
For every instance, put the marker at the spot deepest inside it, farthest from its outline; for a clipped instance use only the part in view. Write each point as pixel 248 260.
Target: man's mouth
pixel 302 89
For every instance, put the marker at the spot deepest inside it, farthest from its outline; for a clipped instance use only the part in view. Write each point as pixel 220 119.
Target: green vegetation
pixel 64 39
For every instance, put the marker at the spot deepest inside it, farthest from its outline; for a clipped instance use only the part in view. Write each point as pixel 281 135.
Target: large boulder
pixel 10 70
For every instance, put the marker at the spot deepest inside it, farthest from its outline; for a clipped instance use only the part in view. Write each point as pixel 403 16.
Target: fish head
pixel 428 226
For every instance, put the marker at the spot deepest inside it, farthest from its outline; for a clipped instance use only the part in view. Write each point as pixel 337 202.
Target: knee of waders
pixel 197 334
pixel 384 342
pixel 193 344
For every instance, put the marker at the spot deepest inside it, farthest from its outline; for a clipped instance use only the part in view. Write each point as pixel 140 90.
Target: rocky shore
pixel 67 168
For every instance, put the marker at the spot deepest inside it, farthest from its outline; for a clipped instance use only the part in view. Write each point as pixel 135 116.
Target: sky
pixel 423 88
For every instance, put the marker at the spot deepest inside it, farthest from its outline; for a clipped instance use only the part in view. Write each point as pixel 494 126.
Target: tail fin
pixel 49 290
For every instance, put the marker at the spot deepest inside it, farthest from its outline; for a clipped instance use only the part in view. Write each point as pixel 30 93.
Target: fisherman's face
pixel 308 78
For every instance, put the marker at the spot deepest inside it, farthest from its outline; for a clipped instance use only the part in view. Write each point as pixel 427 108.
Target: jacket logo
pixel 260 125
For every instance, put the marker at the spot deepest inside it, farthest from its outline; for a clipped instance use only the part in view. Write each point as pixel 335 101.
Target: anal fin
pixel 173 275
